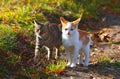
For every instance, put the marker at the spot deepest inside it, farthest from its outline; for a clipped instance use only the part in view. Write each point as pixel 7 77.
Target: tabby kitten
pixel 47 36
pixel 74 40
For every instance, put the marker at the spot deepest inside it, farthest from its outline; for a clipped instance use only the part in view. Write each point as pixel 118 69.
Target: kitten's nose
pixel 68 33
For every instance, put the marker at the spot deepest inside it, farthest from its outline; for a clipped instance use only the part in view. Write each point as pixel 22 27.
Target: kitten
pixel 47 36
pixel 75 40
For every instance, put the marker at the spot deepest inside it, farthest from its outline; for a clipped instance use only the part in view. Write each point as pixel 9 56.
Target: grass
pixel 7 38
pixel 115 64
pixel 22 13
pixel 60 65
pixel 50 72
pixel 104 60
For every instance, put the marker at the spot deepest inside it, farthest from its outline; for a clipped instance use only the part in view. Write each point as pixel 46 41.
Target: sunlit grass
pixel 7 38
pixel 107 60
pixel 103 59
pixel 22 13
pixel 60 65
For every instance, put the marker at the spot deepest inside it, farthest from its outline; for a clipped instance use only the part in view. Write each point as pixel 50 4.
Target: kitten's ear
pixel 63 21
pixel 36 24
pixel 76 22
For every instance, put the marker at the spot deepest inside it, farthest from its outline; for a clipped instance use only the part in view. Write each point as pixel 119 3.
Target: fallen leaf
pixel 15 27
pixel 92 53
pixel 59 71
pixel 101 52
pixel 33 75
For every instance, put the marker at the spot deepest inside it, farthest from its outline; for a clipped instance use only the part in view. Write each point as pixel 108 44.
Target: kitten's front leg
pixel 86 51
pixel 37 53
pixel 56 53
pixel 74 60
pixel 80 59
pixel 69 58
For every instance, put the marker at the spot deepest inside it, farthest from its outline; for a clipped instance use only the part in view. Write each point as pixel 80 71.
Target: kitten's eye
pixel 71 29
pixel 66 29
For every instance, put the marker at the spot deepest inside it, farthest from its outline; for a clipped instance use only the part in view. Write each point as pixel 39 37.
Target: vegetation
pixel 17 32
pixel 22 13
pixel 8 38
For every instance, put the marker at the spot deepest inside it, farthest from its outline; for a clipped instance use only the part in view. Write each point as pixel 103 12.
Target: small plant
pixel 107 60
pixel 58 67
pixel 103 60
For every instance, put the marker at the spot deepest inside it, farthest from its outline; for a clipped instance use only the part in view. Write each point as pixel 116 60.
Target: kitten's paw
pixel 73 65
pixel 78 63
pixel 68 64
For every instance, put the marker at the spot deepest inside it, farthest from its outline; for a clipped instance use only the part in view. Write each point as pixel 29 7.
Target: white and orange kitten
pixel 74 41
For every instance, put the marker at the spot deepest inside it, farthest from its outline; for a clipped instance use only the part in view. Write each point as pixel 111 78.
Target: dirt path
pixel 92 72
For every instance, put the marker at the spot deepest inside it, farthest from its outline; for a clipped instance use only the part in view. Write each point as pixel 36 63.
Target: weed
pixel 60 65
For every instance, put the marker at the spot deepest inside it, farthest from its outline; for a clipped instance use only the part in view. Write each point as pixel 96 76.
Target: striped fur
pixel 47 36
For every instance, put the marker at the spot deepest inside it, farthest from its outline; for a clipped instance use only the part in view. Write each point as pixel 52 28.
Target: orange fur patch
pixel 73 26
pixel 64 25
pixel 84 37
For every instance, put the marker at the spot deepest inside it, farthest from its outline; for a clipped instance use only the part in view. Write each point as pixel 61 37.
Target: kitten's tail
pixel 90 38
